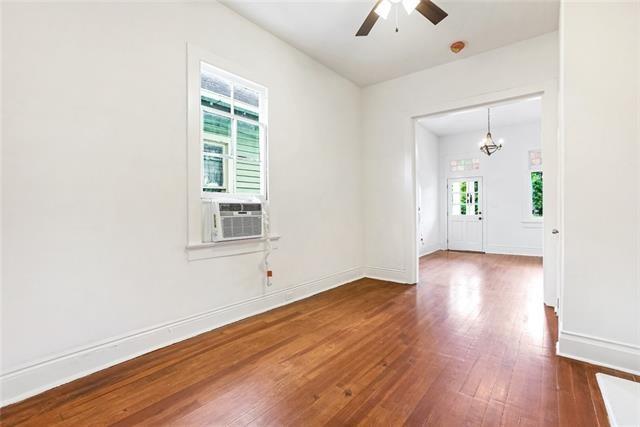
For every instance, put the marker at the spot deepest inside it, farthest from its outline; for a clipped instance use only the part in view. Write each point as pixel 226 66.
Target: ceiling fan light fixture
pixel 383 9
pixel 410 5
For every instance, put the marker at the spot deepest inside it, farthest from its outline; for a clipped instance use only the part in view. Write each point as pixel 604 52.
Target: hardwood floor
pixel 471 344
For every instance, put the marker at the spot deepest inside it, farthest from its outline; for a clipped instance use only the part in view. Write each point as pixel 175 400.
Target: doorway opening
pixel 470 201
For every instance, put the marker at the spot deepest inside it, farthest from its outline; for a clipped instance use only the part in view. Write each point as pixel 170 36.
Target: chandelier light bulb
pixel 489 147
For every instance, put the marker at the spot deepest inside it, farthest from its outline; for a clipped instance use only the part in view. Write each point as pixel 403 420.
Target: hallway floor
pixel 471 344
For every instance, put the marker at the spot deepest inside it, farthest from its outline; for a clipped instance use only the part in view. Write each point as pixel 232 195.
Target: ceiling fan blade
pixel 431 11
pixel 371 19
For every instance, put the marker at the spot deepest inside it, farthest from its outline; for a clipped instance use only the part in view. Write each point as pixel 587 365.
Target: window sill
pixel 198 251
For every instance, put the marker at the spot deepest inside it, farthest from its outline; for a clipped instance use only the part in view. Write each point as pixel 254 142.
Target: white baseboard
pixel 513 250
pixel 387 274
pixel 599 351
pixel 37 377
pixel 429 249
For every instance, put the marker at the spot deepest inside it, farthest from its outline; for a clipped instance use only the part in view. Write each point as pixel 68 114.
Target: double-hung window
pixel 233 133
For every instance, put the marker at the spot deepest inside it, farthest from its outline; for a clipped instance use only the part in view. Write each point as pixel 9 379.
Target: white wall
pixel 600 306
pixel 94 183
pixel 94 177
pixel 427 167
pixel 508 226
pixel 388 130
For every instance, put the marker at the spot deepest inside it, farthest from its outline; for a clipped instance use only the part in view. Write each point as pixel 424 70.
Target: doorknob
pixel 554 231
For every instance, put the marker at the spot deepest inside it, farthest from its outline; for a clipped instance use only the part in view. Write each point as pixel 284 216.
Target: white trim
pixel 599 351
pixel 429 249
pixel 513 250
pixel 198 251
pixel 547 91
pixel 36 377
pixel 394 275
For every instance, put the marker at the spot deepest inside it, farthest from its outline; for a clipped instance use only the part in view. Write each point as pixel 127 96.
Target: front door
pixel 464 214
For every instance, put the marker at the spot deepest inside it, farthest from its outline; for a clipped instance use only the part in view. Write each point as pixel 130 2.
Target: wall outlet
pixel 288 296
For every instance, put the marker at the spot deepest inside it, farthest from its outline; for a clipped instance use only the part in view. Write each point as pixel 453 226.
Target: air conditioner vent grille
pixel 241 226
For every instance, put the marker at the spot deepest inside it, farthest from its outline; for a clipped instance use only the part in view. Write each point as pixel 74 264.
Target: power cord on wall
pixel 267 242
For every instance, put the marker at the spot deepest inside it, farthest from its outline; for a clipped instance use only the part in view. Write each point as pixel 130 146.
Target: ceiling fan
pixel 427 8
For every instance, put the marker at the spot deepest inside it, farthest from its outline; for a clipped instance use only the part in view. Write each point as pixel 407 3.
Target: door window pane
pixel 465 197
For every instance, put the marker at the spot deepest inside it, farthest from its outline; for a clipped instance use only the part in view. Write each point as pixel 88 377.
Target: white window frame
pixel 231 156
pixel 529 217
pixel 195 57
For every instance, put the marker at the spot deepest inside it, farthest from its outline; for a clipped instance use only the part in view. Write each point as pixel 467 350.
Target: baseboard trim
pixel 513 250
pixel 386 274
pixel 428 250
pixel 37 377
pixel 599 351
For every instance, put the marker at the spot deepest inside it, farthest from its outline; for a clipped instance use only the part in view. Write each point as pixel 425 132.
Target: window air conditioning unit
pixel 231 220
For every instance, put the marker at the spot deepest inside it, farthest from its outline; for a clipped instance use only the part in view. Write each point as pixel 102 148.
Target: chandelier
pixel 487 146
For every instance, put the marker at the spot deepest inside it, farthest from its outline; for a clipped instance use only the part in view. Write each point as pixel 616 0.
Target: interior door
pixel 464 214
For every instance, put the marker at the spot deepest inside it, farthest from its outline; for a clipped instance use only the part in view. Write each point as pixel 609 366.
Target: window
pixel 226 138
pixel 536 193
pixel 464 165
pixel 465 197
pixel 535 183
pixel 232 127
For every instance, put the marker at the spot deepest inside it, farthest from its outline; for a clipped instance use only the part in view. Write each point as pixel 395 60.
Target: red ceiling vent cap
pixel 456 47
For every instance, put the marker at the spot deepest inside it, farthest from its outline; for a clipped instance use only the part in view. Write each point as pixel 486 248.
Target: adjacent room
pixel 371 212
pixel 469 200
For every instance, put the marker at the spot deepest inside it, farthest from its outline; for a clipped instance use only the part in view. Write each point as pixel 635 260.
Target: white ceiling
pixel 504 114
pixel 325 31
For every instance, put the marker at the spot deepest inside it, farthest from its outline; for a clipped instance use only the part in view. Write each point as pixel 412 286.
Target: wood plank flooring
pixel 471 344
